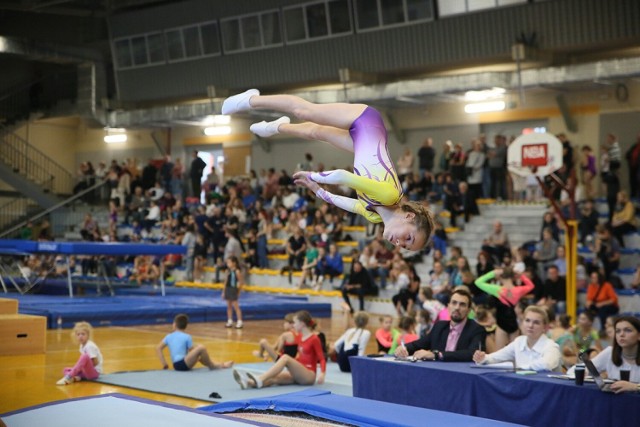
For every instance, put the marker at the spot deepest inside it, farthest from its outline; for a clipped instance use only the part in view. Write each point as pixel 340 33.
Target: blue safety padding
pixel 353 410
pixel 89 248
pixel 145 306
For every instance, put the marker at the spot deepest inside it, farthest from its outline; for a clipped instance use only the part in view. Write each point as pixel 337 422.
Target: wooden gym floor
pixel 31 380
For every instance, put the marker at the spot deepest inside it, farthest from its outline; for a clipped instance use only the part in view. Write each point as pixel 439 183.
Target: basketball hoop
pixel 537 154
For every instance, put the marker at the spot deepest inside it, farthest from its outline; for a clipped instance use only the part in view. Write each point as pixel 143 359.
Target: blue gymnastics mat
pixel 115 409
pixel 201 383
pixel 353 410
pixel 146 306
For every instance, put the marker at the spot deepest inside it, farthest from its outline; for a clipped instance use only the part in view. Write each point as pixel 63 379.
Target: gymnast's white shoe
pixel 267 129
pixel 255 379
pixel 239 102
pixel 241 379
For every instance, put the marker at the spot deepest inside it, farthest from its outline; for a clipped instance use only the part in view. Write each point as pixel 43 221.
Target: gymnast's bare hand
pixel 303 179
pixel 320 379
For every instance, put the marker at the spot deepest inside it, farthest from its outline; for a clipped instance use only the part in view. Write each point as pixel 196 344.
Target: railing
pixel 16 210
pixel 17 227
pixel 34 165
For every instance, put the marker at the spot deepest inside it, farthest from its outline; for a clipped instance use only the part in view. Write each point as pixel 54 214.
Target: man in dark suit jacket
pixel 466 335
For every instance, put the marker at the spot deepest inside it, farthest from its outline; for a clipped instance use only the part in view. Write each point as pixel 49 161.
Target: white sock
pixel 239 102
pixel 267 129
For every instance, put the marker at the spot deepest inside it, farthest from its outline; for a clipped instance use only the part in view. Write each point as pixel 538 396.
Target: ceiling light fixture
pixel 217 119
pixel 115 135
pixel 217 130
pixel 484 107
pixel 484 95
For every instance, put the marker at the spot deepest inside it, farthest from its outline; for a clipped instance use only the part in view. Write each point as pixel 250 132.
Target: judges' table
pixel 534 400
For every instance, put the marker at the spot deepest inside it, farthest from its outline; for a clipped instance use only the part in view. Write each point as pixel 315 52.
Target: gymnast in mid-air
pixel 356 128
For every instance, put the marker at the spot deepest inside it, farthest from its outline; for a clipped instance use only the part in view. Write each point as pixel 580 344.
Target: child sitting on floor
pixel 286 343
pixel 183 354
pixel 89 365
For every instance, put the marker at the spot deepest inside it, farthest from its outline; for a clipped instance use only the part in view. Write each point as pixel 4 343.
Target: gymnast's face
pixel 401 231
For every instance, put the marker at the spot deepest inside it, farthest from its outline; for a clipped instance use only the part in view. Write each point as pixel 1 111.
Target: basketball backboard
pixel 535 154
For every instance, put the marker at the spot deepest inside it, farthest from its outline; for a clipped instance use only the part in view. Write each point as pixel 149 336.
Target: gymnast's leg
pixel 339 115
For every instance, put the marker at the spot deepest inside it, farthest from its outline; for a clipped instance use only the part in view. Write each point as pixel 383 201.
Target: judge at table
pixel 449 341
pixel 533 350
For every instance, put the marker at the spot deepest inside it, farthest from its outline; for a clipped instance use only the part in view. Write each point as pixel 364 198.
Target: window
pixel 249 32
pixel 174 45
pixel 192 43
pixel 454 7
pixel 210 38
pixel 375 14
pixel 155 46
pixel 317 20
pixel 139 48
pixel 123 53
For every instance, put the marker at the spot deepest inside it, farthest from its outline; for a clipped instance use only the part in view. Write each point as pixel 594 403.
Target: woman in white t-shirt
pixel 89 365
pixel 353 342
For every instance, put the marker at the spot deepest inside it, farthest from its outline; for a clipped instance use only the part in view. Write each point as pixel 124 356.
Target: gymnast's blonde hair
pixel 424 217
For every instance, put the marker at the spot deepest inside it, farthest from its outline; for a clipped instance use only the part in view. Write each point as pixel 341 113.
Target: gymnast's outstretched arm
pixel 490 288
pixel 383 192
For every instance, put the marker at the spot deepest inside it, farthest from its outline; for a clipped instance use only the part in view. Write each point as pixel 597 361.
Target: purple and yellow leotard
pixel 374 179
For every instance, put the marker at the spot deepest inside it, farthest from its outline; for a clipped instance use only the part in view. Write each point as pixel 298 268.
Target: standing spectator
pixel 426 157
pixel 546 252
pixel 231 291
pixel 405 164
pixel 195 173
pixel 496 243
pixel 624 218
pixel 567 157
pixel 633 160
pixel 497 171
pixel 270 185
pixel 457 162
pixel 588 168
pixel 149 176
pixel 165 173
pixel 615 154
pixel 176 178
pixel 475 165
pixel 445 156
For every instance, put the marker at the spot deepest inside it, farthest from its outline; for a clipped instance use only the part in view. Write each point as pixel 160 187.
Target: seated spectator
pixel 624 218
pixel 439 238
pixel 311 259
pixel 549 221
pixel 382 265
pixel 384 334
pixel 588 221
pixel 353 342
pixel 287 343
pixel 144 270
pixel 358 283
pixel 455 277
pixel 405 334
pixel 429 303
pixel 88 228
pixel 296 248
pixel 486 318
pixel 546 252
pixel 554 291
pixel 583 339
pixel 623 354
pixel 450 265
pixel 330 264
pixel 602 300
pixel 454 340
pixel 439 283
pixel 496 243
pixel 405 299
pixel 607 250
pixel 561 261
pixel 533 350
pixel 484 264
pixel 152 217
pixel 424 323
